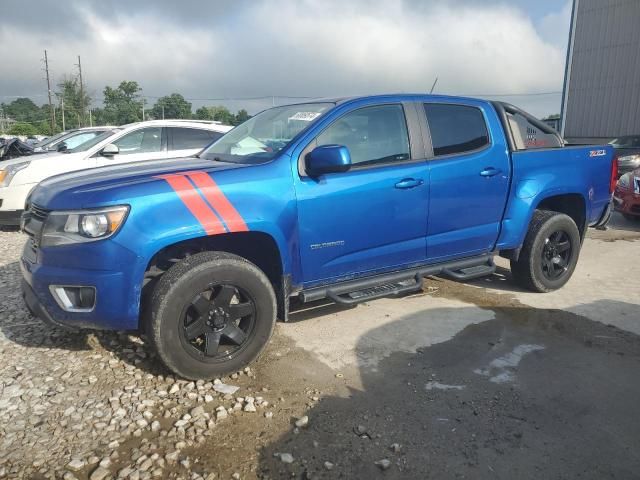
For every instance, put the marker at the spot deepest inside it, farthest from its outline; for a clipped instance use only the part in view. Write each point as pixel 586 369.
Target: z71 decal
pixel 597 153
pixel 204 199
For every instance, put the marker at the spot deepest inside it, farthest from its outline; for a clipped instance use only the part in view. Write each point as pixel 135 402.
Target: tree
pixel 75 104
pixel 204 113
pixel 21 128
pixel 23 110
pixel 241 117
pixel 171 106
pixel 121 105
pixel 219 114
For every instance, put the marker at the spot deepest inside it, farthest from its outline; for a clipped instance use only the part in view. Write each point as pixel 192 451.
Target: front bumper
pixel 627 202
pixel 37 309
pixel 117 294
pixel 10 217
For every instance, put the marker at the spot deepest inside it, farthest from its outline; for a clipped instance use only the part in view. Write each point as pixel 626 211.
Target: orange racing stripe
pixel 194 202
pixel 217 199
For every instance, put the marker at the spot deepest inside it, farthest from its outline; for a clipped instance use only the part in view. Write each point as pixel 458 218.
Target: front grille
pixel 38 212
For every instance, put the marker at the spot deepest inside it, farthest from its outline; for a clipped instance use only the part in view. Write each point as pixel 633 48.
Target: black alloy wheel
pixel 218 322
pixel 556 255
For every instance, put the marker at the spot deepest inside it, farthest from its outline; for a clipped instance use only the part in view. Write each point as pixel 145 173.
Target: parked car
pixel 69 140
pixel 13 148
pixel 349 199
pixel 152 140
pixel 628 151
pixel 626 198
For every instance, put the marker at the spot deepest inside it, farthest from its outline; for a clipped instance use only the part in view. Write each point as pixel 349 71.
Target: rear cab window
pixel 456 129
pixel 527 135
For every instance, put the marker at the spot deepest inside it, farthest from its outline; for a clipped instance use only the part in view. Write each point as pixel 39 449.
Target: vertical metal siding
pixel 603 88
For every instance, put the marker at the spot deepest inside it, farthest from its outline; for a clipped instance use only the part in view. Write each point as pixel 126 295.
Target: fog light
pixel 74 298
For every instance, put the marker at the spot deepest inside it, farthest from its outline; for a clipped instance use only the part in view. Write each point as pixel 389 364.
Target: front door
pixel 469 180
pixel 373 217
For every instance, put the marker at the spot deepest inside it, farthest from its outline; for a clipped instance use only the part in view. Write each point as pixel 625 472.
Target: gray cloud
pixel 287 47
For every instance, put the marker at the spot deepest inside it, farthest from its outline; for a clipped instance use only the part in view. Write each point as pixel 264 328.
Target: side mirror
pixel 110 150
pixel 327 159
pixel 61 147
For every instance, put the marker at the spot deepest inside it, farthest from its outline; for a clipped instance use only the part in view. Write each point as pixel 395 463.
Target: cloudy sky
pixel 262 48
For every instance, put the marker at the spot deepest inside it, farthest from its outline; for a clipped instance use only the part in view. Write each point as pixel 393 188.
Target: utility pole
pixel 81 93
pixel 52 113
pixel 62 108
pixel 143 109
pixel 163 112
pixel 90 119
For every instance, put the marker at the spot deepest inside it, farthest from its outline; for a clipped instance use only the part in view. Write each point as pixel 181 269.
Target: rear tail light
pixel 614 174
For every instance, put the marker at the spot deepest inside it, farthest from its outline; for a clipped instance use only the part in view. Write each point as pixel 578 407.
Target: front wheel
pixel 549 254
pixel 211 315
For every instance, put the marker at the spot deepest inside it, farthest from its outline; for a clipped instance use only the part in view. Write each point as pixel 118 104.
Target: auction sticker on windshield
pixel 305 116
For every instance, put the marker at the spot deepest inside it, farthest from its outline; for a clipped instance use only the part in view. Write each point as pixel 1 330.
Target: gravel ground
pixel 428 386
pixel 97 405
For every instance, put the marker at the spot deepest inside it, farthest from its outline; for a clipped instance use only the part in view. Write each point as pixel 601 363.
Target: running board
pixel 377 291
pixel 471 273
pixel 386 284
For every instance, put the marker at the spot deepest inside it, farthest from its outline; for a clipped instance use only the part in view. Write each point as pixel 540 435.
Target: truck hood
pixel 100 186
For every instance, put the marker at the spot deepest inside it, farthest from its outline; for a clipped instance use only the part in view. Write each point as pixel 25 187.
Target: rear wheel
pixel 211 314
pixel 631 218
pixel 549 254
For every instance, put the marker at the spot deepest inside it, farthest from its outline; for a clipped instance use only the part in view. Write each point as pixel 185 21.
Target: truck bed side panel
pixel 543 173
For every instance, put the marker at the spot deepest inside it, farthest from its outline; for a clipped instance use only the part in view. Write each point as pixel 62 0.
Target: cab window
pixel 455 129
pixel 373 135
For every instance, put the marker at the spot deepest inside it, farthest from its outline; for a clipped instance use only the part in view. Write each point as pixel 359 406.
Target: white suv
pixel 152 140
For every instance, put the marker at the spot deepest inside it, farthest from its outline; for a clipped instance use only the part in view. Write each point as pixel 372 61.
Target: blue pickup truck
pixel 345 199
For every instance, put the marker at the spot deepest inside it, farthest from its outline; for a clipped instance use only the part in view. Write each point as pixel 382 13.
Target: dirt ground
pixel 477 380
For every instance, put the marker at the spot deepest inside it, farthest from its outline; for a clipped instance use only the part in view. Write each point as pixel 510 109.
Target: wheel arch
pixel 572 204
pixel 260 248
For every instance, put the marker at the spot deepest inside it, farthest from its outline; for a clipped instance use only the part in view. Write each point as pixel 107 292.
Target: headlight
pixel 630 160
pixel 624 181
pixel 7 173
pixel 63 228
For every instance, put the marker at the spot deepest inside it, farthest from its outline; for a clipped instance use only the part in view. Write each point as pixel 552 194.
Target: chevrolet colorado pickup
pixel 345 199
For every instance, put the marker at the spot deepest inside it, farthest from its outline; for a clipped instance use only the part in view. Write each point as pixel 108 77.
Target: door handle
pixel 490 172
pixel 409 183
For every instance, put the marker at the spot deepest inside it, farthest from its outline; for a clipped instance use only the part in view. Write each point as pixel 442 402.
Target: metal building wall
pixel 602 82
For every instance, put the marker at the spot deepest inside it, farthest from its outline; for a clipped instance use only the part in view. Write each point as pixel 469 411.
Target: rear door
pixel 148 143
pixel 470 171
pixel 372 217
pixel 186 141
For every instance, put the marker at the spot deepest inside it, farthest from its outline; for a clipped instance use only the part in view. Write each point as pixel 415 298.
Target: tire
pixel 545 274
pixel 223 339
pixel 631 218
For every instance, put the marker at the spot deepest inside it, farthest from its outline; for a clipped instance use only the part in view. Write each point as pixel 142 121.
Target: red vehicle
pixel 626 197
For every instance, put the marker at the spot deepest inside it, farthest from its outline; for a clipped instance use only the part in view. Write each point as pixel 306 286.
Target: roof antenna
pixel 433 86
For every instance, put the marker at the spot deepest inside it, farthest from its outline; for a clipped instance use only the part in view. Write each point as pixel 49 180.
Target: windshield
pixel 83 147
pixel 260 138
pixel 49 140
pixel 630 141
